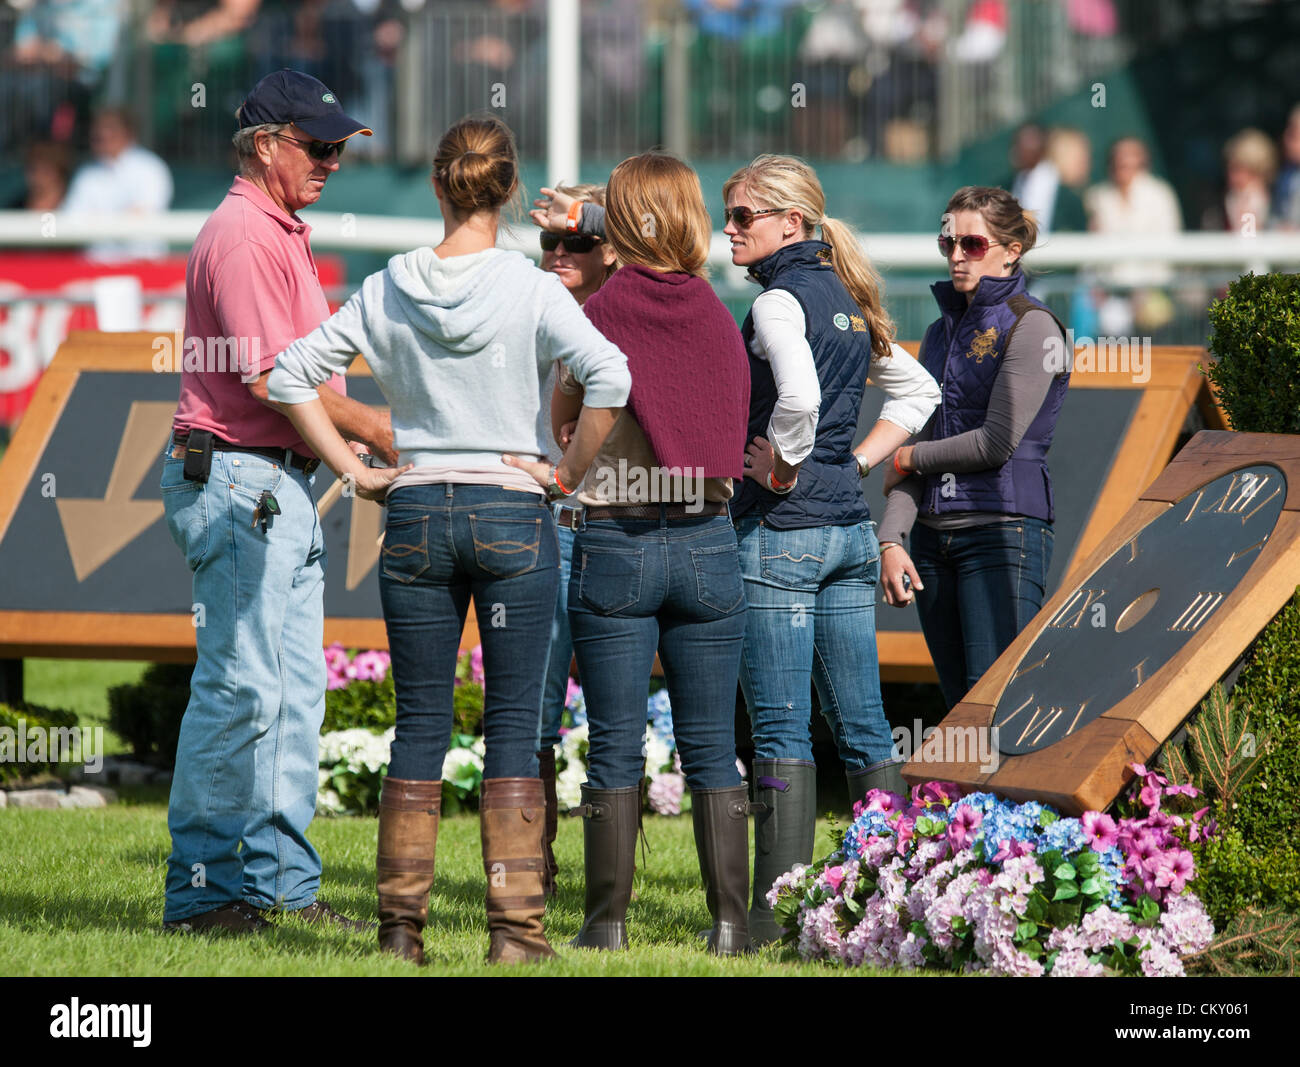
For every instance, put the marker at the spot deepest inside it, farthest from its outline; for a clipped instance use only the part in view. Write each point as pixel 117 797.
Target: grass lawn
pixel 83 895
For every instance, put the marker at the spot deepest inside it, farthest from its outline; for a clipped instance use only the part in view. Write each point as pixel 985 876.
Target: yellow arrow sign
pixel 96 530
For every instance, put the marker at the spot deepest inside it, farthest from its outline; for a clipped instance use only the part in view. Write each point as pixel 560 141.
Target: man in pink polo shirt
pixel 237 484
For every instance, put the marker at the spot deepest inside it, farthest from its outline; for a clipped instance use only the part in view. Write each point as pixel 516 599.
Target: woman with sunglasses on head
pixel 463 370
pixel 975 480
pixel 583 261
pixel 807 547
pixel 655 565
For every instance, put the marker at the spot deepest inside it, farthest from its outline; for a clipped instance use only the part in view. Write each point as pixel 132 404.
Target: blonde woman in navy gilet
pixel 808 551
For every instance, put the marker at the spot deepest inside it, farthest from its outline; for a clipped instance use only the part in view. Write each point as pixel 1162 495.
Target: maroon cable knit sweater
pixel 690 374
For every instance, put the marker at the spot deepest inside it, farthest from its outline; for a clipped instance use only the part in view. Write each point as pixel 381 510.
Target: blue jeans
pixel 672 585
pixel 556 686
pixel 982 586
pixel 244 790
pixel 442 544
pixel 812 621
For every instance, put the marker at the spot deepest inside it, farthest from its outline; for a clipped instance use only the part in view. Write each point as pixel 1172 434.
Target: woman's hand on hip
pixel 759 460
pixel 373 482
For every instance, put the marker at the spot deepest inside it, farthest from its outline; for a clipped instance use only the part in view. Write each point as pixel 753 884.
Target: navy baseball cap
pixel 292 96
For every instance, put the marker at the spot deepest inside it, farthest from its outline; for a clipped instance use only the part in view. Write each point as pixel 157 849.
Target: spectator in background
pixel 123 179
pixel 226 18
pixel 61 49
pixel 1133 203
pixel 1250 165
pixel 47 166
pixel 1038 185
pixel 1286 197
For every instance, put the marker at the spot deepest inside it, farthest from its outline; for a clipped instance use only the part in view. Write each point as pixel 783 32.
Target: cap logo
pixel 329 98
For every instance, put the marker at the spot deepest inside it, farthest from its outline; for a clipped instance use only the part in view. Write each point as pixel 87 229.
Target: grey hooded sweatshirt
pixel 461 349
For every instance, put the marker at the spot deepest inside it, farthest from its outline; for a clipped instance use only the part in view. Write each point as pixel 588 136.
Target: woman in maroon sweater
pixel 655 566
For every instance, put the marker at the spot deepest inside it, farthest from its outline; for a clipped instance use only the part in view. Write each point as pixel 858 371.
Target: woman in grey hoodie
pixel 460 339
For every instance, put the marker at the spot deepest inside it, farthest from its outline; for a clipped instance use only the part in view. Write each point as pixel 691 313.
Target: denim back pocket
pixel 717 577
pixel 505 547
pixel 794 558
pixel 406 549
pixel 610 578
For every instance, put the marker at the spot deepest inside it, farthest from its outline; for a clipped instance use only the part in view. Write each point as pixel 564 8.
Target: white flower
pixel 329 801
pixel 457 760
pixel 479 747
pixel 568 785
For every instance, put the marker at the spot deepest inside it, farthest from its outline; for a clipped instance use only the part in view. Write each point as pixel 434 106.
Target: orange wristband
pixel 556 476
pixel 896 466
pixel 574 217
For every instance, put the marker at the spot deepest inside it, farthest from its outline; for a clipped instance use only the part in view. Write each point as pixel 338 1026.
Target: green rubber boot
pixel 785 795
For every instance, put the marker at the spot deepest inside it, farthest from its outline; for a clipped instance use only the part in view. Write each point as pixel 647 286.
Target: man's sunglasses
pixel 744 216
pixel 973 245
pixel 318 150
pixel 574 243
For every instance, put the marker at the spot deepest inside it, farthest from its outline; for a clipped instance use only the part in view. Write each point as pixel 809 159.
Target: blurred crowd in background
pixel 99 93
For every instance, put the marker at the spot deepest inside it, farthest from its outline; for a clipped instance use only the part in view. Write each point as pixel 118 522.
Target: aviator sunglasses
pixel 318 150
pixel 745 216
pixel 973 245
pixel 574 243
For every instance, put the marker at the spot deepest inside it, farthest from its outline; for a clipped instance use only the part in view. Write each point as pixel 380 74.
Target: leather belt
pixel 659 511
pixel 569 516
pixel 284 456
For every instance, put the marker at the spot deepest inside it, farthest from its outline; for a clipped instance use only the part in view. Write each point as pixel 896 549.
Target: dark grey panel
pixel 148 575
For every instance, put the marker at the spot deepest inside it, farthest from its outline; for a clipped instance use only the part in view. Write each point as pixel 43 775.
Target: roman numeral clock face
pixel 1138 609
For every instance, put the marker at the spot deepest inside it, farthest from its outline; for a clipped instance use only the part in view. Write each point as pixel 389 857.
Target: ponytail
pixel 861 279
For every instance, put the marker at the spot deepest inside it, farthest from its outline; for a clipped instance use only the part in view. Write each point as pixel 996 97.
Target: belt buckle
pixel 309 467
pixel 575 519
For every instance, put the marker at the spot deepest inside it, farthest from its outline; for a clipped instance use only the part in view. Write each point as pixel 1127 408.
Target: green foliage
pixel 1222 749
pixel 361 704
pixel 1258 941
pixel 147 714
pixel 1233 876
pixel 373 706
pixel 14 766
pixel 1255 341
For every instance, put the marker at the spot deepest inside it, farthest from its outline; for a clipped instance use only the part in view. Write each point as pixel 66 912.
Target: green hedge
pixel 1256 346
pixel 34 715
pixel 147 714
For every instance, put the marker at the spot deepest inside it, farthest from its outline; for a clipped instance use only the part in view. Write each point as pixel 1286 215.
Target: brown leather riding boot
pixel 546 771
pixel 512 820
pixel 408 840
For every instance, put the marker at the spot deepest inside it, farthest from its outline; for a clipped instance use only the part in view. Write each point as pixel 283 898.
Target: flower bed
pixel 975 883
pixel 361 708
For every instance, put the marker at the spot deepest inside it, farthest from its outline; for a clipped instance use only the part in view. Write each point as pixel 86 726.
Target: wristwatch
pixel 864 468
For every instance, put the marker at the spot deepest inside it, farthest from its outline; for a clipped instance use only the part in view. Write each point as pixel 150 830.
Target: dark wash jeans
pixel 674 585
pixel 443 543
pixel 982 586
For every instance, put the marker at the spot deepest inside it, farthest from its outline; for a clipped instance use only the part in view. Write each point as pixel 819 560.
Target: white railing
pixel 345 231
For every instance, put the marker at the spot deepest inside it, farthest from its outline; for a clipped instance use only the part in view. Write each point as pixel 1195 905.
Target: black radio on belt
pixel 198 455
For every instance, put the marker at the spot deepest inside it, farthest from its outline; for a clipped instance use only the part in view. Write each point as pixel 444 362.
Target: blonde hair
pixel 655 215
pixel 791 185
pixel 1252 149
pixel 477 166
